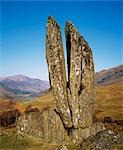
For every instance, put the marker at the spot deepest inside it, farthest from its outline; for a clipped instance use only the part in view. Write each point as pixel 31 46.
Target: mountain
pixel 109 76
pixel 6 94
pixel 22 86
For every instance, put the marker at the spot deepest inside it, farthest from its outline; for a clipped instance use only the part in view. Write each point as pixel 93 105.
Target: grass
pixel 118 147
pixel 6 104
pixel 39 102
pixel 10 140
pixel 110 101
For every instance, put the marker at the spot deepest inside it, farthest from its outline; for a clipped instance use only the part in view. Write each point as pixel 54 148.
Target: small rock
pixel 110 132
pixel 115 137
pixel 64 148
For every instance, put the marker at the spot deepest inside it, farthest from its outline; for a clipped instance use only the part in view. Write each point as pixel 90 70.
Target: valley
pixel 109 106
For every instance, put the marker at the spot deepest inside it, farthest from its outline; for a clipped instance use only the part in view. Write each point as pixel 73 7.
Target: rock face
pixel 45 125
pixel 57 73
pixel 72 114
pixel 80 77
pixel 74 98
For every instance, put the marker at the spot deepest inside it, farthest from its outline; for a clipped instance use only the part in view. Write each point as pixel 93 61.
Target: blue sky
pixel 23 31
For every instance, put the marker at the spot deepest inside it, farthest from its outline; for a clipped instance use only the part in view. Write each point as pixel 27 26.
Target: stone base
pixel 47 126
pixel 78 135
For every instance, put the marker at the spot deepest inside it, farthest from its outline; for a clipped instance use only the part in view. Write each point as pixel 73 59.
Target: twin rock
pixel 71 116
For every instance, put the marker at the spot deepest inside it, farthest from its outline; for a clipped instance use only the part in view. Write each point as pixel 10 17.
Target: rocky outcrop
pixel 73 112
pixel 78 135
pixel 45 125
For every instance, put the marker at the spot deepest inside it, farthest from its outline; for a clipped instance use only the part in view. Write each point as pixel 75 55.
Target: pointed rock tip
pixel 52 21
pixel 51 18
pixel 69 26
pixel 69 23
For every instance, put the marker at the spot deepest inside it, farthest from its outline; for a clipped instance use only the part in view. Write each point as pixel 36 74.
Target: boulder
pixel 45 125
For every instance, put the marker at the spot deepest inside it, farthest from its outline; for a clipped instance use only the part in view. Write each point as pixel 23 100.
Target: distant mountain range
pixel 109 76
pixel 19 86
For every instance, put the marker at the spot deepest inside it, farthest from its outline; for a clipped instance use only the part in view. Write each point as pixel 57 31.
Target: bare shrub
pixel 107 120
pixel 9 117
pixel 30 109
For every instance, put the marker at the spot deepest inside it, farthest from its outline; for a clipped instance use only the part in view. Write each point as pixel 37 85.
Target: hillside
pixel 19 86
pixel 15 87
pixel 109 93
pixel 109 76
pixel 109 102
pixel 4 93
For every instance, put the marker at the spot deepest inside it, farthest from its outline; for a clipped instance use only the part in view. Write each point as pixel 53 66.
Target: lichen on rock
pixel 45 125
pixel 81 77
pixel 72 114
pixel 56 68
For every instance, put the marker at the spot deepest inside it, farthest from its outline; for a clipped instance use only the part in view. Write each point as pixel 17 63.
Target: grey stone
pixel 73 112
pixel 80 76
pixel 56 68
pixel 45 125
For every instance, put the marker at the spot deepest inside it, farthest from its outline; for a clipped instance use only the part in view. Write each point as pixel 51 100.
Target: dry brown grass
pixel 6 105
pixel 40 102
pixel 110 101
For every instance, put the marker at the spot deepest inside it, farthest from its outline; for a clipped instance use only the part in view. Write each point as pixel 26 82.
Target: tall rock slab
pixel 57 72
pixel 71 116
pixel 80 77
pixel 75 97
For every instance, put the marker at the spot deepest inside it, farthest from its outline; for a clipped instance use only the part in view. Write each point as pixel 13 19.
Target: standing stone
pixel 72 114
pixel 80 76
pixel 56 68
